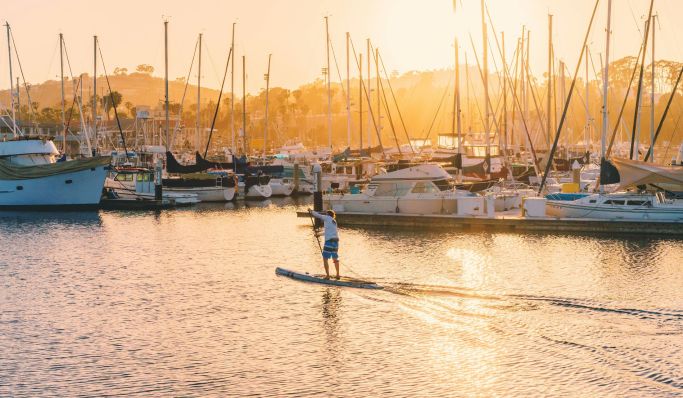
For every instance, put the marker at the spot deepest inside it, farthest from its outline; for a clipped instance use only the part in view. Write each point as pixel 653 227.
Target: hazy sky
pixel 411 34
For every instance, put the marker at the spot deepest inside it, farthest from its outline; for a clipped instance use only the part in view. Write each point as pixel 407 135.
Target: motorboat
pixel 32 175
pixel 138 183
pixel 640 206
pixel 420 189
pixel 206 186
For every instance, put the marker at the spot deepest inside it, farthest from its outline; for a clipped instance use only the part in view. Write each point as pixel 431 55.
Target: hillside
pixel 136 88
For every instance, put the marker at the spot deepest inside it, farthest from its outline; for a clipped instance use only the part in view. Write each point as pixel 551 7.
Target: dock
pixel 506 221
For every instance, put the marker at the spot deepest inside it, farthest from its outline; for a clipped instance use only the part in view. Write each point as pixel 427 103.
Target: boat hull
pixel 280 187
pixel 82 188
pixel 206 194
pixel 609 212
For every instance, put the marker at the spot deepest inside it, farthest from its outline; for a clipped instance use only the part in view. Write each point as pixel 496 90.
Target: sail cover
pixel 9 171
pixel 635 172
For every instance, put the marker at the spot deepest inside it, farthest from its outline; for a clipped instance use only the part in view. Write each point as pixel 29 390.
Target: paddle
pixel 315 231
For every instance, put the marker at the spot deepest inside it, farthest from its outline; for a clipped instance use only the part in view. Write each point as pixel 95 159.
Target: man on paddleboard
pixel 331 239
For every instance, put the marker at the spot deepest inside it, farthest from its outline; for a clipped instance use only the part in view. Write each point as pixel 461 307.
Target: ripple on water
pixel 187 303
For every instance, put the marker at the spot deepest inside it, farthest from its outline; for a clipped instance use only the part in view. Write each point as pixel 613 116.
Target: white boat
pixel 281 186
pixel 619 206
pixel 420 189
pixel 509 196
pixel 30 175
pixel 136 183
pixel 253 187
pixel 208 188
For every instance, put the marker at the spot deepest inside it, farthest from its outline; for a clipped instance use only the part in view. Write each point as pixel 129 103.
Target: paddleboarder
pixel 331 248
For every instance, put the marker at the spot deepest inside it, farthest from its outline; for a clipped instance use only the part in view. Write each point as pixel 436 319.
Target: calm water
pixel 187 303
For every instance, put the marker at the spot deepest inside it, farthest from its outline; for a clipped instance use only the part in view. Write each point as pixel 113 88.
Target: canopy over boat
pixel 10 171
pixel 635 172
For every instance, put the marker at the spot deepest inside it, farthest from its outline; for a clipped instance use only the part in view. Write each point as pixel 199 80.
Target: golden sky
pixel 412 34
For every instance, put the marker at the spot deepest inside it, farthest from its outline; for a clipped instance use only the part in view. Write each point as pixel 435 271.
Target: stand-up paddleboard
pixel 342 281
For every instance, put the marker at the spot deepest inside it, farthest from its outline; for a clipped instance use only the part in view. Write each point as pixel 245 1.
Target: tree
pixel 144 68
pixel 106 101
pixel 120 71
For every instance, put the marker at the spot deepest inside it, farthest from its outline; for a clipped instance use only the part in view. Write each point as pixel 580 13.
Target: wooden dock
pixel 508 221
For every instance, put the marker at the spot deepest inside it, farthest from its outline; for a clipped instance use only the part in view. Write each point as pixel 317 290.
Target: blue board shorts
pixel 330 249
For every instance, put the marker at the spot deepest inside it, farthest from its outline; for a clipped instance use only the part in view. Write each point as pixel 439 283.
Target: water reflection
pixel 185 302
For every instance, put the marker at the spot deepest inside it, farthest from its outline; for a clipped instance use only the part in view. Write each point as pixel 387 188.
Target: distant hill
pixel 137 88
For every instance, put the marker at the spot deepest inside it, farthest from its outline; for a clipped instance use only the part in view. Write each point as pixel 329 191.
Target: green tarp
pixel 9 171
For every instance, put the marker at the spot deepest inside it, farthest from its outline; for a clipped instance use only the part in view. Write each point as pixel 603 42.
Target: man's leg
pixel 336 266
pixel 327 267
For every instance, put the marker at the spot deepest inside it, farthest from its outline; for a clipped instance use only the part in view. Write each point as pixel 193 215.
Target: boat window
pixel 143 177
pixel 425 187
pixel 393 189
pixel 443 185
pixel 419 188
pixel 615 202
pixel 387 189
pixel 639 202
pixel 592 201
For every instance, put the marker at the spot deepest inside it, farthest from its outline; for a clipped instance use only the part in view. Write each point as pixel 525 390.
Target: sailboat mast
pixel 652 95
pixel 549 119
pixel 348 93
pixel 94 94
pixel 61 78
pixel 379 98
pixel 199 95
pixel 485 57
pixel 11 82
pixel 368 119
pixel 265 127
pixel 232 91
pixel 605 82
pixel 360 101
pixel 329 92
pixel 457 106
pixel 168 119
pixel 505 98
pixel 244 104
pixel 587 132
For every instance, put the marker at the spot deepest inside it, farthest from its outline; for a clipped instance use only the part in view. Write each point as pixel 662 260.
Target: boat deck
pixel 511 220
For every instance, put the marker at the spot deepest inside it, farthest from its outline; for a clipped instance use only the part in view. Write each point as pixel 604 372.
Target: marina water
pixel 186 303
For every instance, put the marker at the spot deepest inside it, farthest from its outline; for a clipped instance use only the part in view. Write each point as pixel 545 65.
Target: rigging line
pixel 383 93
pixel 636 118
pixel 568 101
pixel 673 133
pixel 113 104
pixel 71 110
pixel 23 78
pixel 666 110
pixel 391 119
pixel 334 55
pixel 218 103
pixel 471 86
pixel 514 95
pixel 182 100
pixel 372 115
pixel 213 64
pixel 438 108
pixel 400 116
pixel 68 62
pixel 623 104
pixel 488 106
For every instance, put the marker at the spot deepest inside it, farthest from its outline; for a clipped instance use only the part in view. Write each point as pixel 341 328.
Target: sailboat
pixel 34 174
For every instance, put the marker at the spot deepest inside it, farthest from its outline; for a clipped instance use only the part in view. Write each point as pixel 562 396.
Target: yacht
pixel 420 189
pixel 32 175
pixel 619 206
pixel 207 187
pixel 138 183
